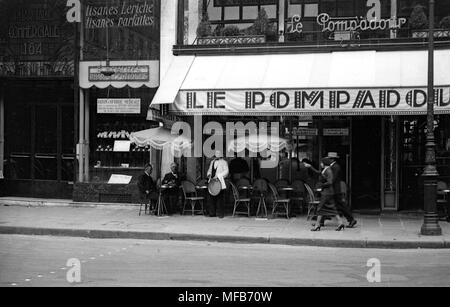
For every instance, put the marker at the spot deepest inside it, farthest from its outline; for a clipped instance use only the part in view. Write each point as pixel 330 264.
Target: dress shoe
pixel 316 229
pixel 340 227
pixel 352 224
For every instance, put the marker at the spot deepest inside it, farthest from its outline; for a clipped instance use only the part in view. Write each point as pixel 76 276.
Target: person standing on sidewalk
pixel 327 206
pixel 339 195
pixel 218 169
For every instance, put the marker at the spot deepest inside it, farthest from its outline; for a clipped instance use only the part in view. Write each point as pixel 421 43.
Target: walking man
pixel 339 195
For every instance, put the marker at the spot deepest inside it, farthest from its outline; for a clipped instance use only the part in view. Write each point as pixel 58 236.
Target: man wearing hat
pixel 338 193
pixel 171 195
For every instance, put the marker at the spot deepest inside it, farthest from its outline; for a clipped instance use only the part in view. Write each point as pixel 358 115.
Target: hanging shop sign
pixel 311 102
pixel 336 132
pixel 305 131
pixel 119 73
pixel 119 106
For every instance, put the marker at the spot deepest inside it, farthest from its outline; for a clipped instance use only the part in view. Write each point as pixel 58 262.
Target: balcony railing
pixel 307 42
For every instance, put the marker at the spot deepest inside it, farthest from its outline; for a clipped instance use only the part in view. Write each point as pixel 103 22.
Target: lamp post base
pixel 430 225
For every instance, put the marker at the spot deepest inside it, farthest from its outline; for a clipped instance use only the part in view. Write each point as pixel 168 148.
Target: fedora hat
pixel 333 155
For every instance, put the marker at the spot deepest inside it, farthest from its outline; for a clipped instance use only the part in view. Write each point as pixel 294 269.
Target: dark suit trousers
pixel 218 204
pixel 342 207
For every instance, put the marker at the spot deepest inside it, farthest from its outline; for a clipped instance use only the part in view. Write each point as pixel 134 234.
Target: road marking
pixel 40 276
pixel 101 255
pixel 52 272
pixel 13 284
pixel 27 280
pixel 92 258
pixel 63 268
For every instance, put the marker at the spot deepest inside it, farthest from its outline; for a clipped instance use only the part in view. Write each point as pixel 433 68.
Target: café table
pixel 288 191
pixel 161 209
pixel 203 192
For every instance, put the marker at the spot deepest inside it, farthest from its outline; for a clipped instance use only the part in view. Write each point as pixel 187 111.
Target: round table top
pixel 286 189
pixel 168 186
pixel 245 188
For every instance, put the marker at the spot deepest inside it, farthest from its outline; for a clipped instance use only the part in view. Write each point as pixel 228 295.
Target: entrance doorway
pixel 366 163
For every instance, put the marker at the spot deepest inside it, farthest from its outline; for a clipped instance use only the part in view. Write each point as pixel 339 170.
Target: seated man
pixel 146 185
pixel 171 195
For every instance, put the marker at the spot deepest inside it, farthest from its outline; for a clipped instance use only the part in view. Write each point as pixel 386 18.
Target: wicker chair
pixel 191 198
pixel 312 203
pixel 239 201
pixel 279 201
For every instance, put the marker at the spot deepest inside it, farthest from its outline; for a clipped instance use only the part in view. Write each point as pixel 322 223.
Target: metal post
pixel 86 136
pixel 394 16
pixel 81 139
pixel 2 129
pixel 430 174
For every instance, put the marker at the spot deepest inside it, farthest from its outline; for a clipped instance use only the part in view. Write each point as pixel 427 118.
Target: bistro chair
pixel 149 204
pixel 260 189
pixel 298 194
pixel 238 200
pixel 312 203
pixel 277 200
pixel 441 200
pixel 191 198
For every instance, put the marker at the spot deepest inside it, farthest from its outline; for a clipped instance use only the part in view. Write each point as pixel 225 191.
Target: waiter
pixel 218 169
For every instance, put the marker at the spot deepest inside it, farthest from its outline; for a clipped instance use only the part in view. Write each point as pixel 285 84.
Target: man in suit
pixel 338 193
pixel 171 195
pixel 218 169
pixel 146 185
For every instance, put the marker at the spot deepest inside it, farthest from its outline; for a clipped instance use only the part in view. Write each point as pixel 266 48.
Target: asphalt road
pixel 27 261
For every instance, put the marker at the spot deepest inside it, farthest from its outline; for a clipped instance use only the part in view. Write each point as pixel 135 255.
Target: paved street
pixel 41 261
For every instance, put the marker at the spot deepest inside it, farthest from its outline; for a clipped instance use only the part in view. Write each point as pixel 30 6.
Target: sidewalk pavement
pixel 66 218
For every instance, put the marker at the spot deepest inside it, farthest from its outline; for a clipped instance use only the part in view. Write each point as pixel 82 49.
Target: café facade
pixel 336 76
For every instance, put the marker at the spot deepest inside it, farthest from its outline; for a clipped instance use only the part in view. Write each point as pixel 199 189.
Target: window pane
pixel 294 9
pixel 346 8
pixel 214 13
pixel 46 138
pixel 68 167
pixel 45 168
pixel 17 128
pixel 18 167
pixel 271 10
pixel 68 146
pixel 311 10
pixel 250 12
pixel 329 7
pixel 232 13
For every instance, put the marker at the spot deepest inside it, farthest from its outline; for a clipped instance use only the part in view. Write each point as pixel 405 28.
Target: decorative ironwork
pixel 232 40
pixel 437 33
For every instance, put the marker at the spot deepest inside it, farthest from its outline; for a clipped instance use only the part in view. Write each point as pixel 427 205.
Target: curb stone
pixel 118 234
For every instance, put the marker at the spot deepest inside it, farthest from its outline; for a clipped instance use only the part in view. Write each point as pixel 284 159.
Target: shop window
pixel 46 129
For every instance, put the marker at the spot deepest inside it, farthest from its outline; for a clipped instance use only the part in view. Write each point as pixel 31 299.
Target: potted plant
pixel 204 28
pixel 444 26
pixel 418 19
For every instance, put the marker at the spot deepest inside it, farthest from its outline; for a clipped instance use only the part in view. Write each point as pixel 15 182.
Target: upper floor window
pixel 307 20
